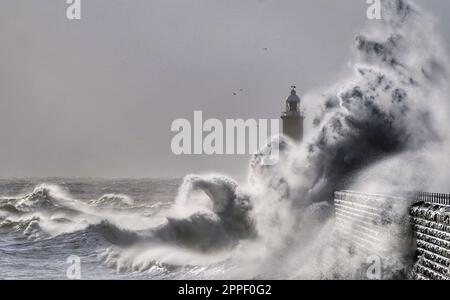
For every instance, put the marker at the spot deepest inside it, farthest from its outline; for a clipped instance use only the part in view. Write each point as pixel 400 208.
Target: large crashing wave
pixel 371 126
pixel 388 107
pixel 220 221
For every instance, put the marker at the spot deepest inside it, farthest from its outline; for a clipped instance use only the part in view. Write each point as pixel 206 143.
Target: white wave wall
pixel 381 129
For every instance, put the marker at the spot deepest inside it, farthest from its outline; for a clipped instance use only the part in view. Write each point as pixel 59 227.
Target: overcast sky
pixel 96 97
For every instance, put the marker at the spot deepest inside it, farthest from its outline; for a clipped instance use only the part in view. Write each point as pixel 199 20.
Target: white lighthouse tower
pixel 293 118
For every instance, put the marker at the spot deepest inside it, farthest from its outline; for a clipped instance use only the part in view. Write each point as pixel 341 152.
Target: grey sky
pixel 96 97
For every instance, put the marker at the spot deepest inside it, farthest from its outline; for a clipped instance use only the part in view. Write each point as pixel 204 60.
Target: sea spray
pixel 388 110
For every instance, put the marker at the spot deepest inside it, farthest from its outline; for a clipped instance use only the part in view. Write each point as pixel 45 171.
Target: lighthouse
pixel 293 118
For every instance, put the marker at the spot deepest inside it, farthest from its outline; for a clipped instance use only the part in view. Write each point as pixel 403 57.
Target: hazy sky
pixel 96 97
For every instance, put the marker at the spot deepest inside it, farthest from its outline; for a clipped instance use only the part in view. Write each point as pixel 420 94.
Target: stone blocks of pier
pixel 430 218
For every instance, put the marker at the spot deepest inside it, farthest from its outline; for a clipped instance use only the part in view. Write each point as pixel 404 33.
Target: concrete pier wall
pixel 372 224
pixel 430 218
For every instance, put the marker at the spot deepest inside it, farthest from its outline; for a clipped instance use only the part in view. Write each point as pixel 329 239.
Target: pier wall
pixel 368 224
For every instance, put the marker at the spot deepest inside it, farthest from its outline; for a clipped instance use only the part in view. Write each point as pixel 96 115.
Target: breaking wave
pixel 113 200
